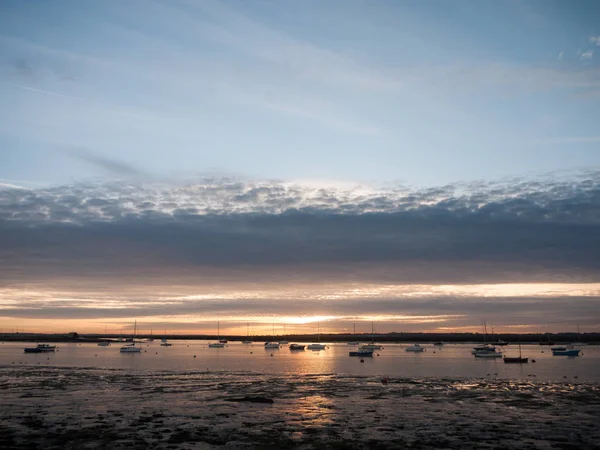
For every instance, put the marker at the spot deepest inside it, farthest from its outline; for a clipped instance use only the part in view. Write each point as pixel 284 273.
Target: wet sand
pixel 72 408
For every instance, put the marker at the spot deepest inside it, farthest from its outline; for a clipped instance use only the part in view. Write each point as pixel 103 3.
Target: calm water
pixel 452 360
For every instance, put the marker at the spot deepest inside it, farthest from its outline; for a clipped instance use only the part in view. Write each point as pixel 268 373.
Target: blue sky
pixel 423 93
pixel 419 164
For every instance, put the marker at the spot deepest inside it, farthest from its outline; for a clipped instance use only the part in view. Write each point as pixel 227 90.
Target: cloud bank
pixel 225 245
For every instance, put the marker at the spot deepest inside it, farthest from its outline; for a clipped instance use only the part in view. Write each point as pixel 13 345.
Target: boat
pixel 272 344
pixel 104 344
pixel 488 354
pixel 516 359
pixel 483 348
pixel 361 353
pixel 415 348
pixel 578 343
pixel 131 348
pixel 41 348
pixel 218 344
pixel 353 343
pixel 570 351
pixel 247 341
pixel 297 347
pixel 372 345
pixel 151 338
pixel 500 342
pixel 317 345
pixel 548 342
pixel 438 344
pixel 166 344
pixel 284 341
pixel 559 348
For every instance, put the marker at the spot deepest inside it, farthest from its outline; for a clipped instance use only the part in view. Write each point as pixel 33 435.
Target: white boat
pixel 317 345
pixel 218 344
pixel 272 344
pixel 247 341
pixel 416 348
pixel 131 348
pixel 372 345
pixel 488 354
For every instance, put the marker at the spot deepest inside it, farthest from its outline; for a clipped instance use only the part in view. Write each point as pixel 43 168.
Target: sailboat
pixel 163 341
pixel 317 345
pixel 516 359
pixel 372 345
pixel 104 343
pixel 151 338
pixel 579 343
pixel 247 341
pixel 480 350
pixel 284 342
pixel 131 348
pixel 354 334
pixel 217 344
pixel 272 344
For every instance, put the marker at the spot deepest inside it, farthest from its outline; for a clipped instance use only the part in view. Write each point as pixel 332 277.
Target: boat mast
pixel 372 333
pixel 218 331
pixel 318 332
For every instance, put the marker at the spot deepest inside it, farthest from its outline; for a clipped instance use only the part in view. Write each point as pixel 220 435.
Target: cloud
pixel 595 40
pixel 587 55
pixel 247 248
pixel 111 166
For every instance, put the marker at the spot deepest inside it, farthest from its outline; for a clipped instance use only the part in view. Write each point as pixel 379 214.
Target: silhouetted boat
pixel 297 347
pixel 361 353
pixel 40 348
pixel 516 359
pixel 247 341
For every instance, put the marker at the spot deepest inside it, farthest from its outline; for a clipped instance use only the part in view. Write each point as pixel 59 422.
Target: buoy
pixel 250 352
pixel 533 360
pixel 362 360
pixel 157 353
pixel 194 355
pixel 271 354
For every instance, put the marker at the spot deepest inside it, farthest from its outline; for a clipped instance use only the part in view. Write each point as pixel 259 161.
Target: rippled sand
pixel 67 408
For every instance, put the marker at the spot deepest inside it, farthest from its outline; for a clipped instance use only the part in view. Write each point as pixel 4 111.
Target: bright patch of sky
pixel 420 92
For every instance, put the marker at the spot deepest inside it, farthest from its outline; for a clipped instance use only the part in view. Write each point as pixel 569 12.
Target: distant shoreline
pixel 447 338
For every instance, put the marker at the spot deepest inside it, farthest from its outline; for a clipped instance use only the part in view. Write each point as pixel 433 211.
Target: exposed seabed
pixel 72 408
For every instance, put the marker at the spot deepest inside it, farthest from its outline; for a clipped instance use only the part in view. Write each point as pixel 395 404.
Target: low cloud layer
pixel 213 234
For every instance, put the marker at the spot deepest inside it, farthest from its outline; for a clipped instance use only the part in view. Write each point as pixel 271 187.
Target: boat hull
pixel 316 347
pixel 515 360
pixel 361 353
pixel 570 352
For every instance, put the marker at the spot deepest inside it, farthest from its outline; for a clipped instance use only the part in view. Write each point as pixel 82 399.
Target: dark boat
pixel 361 353
pixel 516 359
pixel 438 344
pixel 41 348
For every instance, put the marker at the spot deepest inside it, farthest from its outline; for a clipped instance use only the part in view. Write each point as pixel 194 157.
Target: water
pixel 452 360
pixel 85 396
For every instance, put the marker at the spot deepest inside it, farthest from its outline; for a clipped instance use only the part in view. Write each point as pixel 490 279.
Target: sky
pixel 420 165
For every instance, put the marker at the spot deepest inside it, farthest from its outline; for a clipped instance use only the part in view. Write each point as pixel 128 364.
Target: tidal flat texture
pixel 72 408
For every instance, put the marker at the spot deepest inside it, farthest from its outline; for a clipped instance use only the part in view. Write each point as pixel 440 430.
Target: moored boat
pixel 271 344
pixel 361 353
pixel 131 348
pixel 41 348
pixel 566 352
pixel 415 348
pixel 297 347
pixel 516 359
